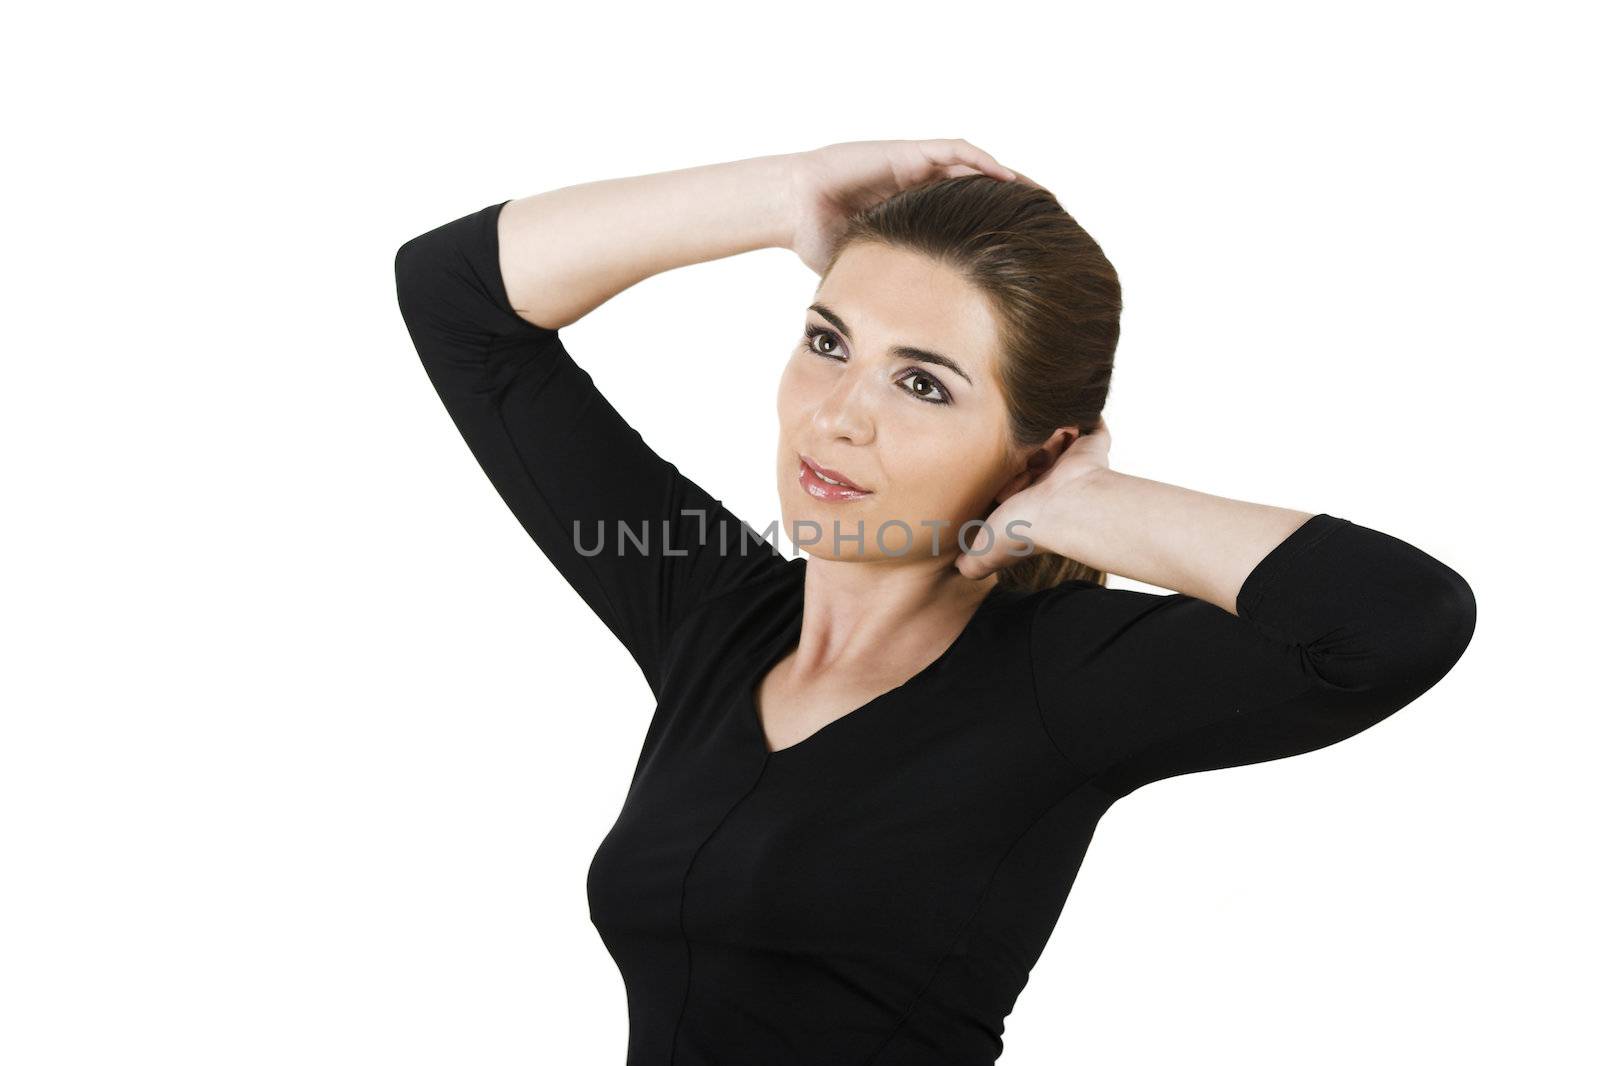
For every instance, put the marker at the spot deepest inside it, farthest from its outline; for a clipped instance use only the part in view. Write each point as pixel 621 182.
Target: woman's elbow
pixel 415 271
pixel 1424 644
pixel 1406 643
pixel 1455 617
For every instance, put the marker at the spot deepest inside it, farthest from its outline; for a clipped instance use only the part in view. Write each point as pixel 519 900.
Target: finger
pixel 960 170
pixel 946 151
pixel 973 567
pixel 981 564
pixel 990 549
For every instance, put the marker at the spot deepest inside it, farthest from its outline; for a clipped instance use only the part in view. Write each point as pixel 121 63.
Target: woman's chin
pixel 825 533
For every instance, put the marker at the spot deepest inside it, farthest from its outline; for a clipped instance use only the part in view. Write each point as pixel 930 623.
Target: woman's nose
pixel 844 412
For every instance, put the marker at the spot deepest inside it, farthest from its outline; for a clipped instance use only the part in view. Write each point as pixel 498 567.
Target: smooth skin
pixel 879 612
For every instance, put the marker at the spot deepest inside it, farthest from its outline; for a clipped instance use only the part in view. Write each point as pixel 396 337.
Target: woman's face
pixel 927 439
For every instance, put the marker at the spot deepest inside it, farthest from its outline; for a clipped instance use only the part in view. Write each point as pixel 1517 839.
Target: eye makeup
pixel 915 375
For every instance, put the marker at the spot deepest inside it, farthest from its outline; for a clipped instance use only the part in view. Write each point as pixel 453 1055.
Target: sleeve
pixel 641 543
pixel 1339 626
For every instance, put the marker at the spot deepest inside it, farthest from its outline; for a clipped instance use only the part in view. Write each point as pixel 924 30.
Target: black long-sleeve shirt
pixel 878 892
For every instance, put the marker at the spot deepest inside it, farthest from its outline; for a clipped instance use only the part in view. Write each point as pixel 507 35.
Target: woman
pixel 872 774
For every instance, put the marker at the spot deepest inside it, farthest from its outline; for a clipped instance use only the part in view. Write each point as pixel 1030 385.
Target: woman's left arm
pixel 1367 608
pixel 1269 653
pixel 1165 535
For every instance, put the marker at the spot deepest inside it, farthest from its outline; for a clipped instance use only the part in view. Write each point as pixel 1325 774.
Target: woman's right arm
pixel 566 463
pixel 483 297
pixel 567 251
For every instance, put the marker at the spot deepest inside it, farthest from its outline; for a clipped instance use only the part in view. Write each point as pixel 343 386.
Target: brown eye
pixel 934 391
pixel 813 332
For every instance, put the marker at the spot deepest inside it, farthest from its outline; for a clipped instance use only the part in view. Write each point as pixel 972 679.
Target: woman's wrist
pixel 785 175
pixel 1068 515
pixel 767 203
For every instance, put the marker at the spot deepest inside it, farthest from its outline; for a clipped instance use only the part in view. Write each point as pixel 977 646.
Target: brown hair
pixel 1054 292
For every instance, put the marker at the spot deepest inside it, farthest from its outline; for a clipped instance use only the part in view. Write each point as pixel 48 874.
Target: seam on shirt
pixel 544 339
pixel 652 675
pixel 977 908
pixel 683 889
pixel 1038 703
pixel 494 285
pixel 654 678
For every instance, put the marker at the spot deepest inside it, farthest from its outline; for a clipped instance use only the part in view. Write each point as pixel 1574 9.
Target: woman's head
pixel 961 336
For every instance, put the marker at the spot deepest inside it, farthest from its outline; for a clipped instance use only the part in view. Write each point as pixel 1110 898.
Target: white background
pixel 305 748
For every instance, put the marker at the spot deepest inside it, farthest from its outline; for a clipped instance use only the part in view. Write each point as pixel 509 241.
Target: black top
pixel 878 892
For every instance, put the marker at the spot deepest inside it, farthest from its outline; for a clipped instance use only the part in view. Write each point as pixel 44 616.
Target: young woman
pixel 872 773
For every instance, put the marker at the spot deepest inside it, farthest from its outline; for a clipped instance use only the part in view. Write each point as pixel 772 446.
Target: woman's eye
pixel 923 386
pixel 813 332
pixel 932 383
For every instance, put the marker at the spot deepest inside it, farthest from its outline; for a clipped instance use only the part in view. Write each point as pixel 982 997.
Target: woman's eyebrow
pixel 904 351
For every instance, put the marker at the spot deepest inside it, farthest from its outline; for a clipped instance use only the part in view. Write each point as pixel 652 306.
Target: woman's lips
pixel 817 482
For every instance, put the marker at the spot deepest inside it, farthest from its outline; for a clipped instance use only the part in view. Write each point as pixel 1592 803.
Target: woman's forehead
pixel 891 296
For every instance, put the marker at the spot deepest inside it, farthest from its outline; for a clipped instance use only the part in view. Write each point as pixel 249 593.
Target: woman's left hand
pixel 1036 505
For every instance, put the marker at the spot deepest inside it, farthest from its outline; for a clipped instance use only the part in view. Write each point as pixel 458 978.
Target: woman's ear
pixel 1043 457
pixel 1038 461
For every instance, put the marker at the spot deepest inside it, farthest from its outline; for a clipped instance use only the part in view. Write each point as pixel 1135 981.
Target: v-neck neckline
pixel 786 644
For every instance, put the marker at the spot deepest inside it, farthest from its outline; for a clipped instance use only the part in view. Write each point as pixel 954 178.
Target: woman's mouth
pixel 825 484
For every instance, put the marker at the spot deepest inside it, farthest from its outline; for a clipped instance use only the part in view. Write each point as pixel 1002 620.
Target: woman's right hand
pixel 831 183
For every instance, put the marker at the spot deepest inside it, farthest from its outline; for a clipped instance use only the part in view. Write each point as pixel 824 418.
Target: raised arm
pixel 567 464
pixel 567 251
pixel 1338 627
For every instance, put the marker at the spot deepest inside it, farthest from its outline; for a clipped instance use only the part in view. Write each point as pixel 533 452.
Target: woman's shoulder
pixel 1064 600
pixel 1072 622
pixel 744 615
